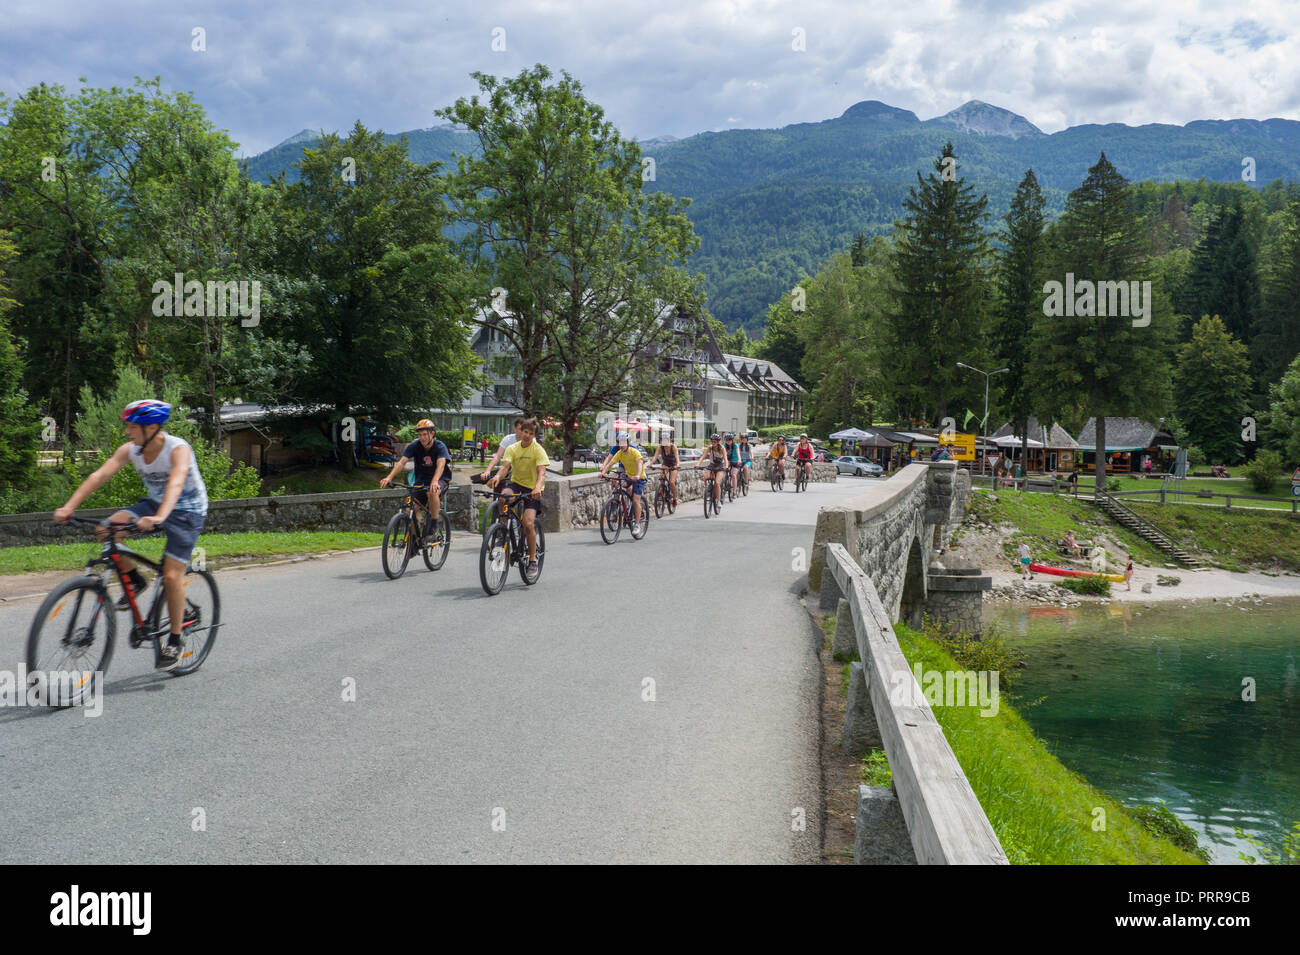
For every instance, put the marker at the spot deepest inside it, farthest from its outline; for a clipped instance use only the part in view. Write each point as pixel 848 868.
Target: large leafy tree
pixel 841 336
pixel 1282 424
pixel 1212 388
pixel 1104 363
pixel 384 299
pixel 592 265
pixel 940 300
pixel 58 200
pixel 19 421
pixel 782 342
pixel 1019 303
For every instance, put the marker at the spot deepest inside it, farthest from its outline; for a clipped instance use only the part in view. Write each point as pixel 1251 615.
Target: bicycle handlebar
pixel 105 522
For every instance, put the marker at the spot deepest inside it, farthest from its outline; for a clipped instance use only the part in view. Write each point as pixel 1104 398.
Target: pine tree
pixel 858 251
pixel 1104 362
pixel 940 299
pixel 1019 300
pixel 19 420
pixel 1211 388
pixel 1223 280
pixel 1277 324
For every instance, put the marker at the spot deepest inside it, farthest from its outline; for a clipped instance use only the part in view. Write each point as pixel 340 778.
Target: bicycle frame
pixel 111 554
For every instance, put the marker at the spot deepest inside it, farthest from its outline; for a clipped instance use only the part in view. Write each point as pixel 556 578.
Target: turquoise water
pixel 1146 704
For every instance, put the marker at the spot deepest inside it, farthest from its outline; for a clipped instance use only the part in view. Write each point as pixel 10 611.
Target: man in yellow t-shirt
pixel 526 462
pixel 633 468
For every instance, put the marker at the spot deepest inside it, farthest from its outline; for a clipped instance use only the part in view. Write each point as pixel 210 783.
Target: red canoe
pixel 1063 572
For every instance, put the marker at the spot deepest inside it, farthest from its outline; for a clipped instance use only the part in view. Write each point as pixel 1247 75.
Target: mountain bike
pixel 729 484
pixel 663 495
pixel 75 627
pixel 404 536
pixel 506 543
pixel 711 502
pixel 743 479
pixel 801 476
pixel 619 510
pixel 776 474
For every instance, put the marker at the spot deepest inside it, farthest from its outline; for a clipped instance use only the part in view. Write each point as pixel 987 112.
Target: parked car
pixel 689 454
pixel 589 455
pixel 855 464
pixel 825 457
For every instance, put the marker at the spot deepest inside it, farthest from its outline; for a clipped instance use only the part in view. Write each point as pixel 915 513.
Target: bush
pixel 1195 456
pixel 1159 821
pixel 1264 471
pixel 1097 586
pixel 1114 484
pixel 99 429
pixel 988 652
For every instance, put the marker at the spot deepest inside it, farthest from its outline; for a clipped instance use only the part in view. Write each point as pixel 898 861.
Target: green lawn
pixel 1043 519
pixel 219 549
pixel 1235 540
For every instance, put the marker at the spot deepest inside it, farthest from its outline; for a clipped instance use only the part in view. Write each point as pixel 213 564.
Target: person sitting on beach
pixel 1071 547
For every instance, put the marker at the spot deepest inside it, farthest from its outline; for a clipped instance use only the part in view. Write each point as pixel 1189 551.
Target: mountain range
pixel 770 205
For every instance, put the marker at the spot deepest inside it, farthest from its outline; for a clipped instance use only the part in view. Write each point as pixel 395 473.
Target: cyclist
pixel 633 464
pixel 776 454
pixel 501 450
pixel 746 457
pixel 733 457
pixel 715 461
pixel 177 503
pixel 432 468
pixel 525 461
pixel 667 450
pixel 803 454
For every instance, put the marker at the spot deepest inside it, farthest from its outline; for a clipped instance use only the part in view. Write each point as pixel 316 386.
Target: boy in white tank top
pixel 177 503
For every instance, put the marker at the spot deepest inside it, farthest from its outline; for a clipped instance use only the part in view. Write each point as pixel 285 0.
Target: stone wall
pixel 347 511
pixel 576 500
pixel 892 531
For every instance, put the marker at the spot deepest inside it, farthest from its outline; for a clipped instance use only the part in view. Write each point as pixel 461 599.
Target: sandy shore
pixel 1194 585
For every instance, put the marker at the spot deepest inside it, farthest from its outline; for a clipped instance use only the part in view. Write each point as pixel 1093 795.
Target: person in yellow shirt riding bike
pixel 633 469
pixel 525 462
pixel 776 454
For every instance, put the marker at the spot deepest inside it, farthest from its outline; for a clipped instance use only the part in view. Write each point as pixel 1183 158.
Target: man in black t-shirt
pixel 432 468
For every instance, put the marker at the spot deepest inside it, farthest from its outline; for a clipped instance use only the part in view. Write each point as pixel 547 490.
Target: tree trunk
pixel 1024 448
pixel 1099 461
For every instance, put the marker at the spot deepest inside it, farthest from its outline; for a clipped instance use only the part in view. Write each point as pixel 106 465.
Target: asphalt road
pixel 513 728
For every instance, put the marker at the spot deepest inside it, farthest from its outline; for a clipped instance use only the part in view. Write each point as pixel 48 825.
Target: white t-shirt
pixel 506 442
pixel 194 495
pixel 1024 552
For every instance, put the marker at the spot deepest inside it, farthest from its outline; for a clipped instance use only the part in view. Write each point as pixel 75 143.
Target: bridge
pixel 651 701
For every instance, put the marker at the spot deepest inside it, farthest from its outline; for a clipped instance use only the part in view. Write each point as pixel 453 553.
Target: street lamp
pixel 987 375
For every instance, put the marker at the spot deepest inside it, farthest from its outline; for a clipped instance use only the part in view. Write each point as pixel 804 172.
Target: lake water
pixel 1146 704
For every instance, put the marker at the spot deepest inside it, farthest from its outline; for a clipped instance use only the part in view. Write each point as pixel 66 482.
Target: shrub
pixel 1264 471
pixel 1097 586
pixel 1195 456
pixel 1114 484
pixel 987 652
pixel 99 430
pixel 1159 821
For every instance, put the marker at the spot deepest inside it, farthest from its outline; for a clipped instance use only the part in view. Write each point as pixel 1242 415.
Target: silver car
pixel 854 464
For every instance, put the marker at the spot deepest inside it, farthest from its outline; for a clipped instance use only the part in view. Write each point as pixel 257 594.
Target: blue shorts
pixel 638 485
pixel 182 527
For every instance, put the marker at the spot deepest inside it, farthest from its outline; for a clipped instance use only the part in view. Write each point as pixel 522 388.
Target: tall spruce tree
pixel 1277 324
pixel 1104 362
pixel 940 301
pixel 1224 280
pixel 1019 275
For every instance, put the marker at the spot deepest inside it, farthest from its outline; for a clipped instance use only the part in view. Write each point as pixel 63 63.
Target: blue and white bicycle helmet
pixel 147 411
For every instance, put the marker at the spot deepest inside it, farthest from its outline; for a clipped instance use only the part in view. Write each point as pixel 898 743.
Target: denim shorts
pixel 182 527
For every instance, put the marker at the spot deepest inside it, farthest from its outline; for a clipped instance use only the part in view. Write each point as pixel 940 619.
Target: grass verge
pixel 1041 811
pixel 218 549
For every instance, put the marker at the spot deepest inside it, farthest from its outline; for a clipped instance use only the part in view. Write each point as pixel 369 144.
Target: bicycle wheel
pixel 640 527
pixel 72 636
pixel 611 520
pixel 201 622
pixel 744 482
pixel 729 488
pixel 435 551
pixel 494 559
pixel 708 494
pixel 660 504
pixel 541 554
pixel 772 478
pixel 396 549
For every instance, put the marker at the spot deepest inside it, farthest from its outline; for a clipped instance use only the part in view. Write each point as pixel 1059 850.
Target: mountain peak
pixel 983 119
pixel 874 109
pixel 303 136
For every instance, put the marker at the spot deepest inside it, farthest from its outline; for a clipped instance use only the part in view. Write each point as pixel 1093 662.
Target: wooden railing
pixel 946 822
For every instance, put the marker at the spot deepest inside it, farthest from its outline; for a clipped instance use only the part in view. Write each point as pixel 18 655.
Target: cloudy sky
pixel 673 67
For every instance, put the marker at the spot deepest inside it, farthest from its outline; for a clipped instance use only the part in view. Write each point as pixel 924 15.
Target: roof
pixel 1056 438
pixel 761 375
pixel 1123 434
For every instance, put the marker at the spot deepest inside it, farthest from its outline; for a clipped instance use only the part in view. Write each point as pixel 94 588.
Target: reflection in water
pixel 1197 707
